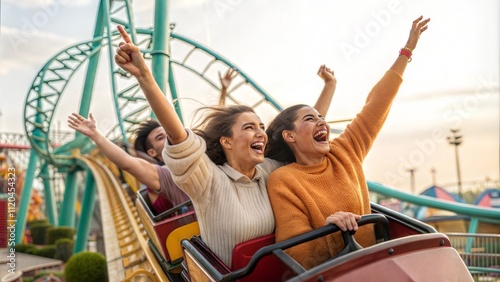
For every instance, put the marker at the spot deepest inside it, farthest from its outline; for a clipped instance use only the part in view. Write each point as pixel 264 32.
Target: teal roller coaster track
pixel 131 108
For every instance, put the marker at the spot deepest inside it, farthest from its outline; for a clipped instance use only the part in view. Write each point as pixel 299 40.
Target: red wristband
pixel 406 53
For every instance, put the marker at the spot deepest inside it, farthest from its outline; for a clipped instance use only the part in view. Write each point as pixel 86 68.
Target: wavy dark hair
pixel 216 122
pixel 141 142
pixel 277 148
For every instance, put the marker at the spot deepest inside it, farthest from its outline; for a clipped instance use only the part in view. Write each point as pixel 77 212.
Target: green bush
pixel 55 233
pixel 39 232
pixel 86 266
pixel 23 247
pixel 56 273
pixel 64 249
pixel 31 251
pixel 37 221
pixel 46 251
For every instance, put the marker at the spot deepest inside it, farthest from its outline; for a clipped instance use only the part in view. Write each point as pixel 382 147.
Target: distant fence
pixel 480 252
pixel 471 186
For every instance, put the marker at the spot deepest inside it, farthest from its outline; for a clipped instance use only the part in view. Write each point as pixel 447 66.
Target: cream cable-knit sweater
pixel 303 196
pixel 230 207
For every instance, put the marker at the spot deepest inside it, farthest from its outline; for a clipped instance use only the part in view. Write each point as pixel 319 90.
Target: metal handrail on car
pixel 261 253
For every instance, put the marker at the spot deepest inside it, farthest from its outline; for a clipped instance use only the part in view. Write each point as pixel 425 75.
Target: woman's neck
pixel 247 170
pixel 303 159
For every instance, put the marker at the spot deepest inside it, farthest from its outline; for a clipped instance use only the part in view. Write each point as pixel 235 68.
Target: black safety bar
pixel 264 251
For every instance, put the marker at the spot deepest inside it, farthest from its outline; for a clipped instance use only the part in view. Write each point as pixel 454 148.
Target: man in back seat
pixel 150 139
pixel 162 190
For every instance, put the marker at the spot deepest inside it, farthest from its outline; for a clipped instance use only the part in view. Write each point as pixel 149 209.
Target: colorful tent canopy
pixel 489 198
pixel 440 193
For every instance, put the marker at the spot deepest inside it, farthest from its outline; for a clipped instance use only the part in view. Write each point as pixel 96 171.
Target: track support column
pixel 25 198
pixel 50 204
pixel 68 205
pixel 88 204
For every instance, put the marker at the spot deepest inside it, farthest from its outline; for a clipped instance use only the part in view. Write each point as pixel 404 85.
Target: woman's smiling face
pixel 311 135
pixel 247 142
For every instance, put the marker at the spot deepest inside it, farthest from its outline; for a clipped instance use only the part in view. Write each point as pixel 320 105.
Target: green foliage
pixel 39 232
pixel 470 196
pixel 46 251
pixel 56 273
pixel 31 251
pixel 86 266
pixel 37 221
pixel 55 233
pixel 23 247
pixel 64 249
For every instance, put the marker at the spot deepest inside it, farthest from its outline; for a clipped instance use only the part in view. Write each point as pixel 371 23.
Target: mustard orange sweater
pixel 302 197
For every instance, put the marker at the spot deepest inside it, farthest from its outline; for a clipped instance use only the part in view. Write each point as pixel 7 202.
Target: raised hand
pixel 83 125
pixel 326 74
pixel 225 81
pixel 228 77
pixel 325 98
pixel 418 26
pixel 128 56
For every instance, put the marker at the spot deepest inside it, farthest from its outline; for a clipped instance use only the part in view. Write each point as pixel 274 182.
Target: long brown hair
pixel 216 122
pixel 276 147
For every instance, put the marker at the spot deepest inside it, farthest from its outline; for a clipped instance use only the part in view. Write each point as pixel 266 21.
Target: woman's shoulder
pixel 280 182
pixel 284 171
pixel 271 165
pixel 193 145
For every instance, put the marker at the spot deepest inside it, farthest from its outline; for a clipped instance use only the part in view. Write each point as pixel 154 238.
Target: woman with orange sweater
pixel 325 182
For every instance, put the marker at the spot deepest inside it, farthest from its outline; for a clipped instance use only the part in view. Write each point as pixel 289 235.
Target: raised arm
pixel 365 127
pixel 225 81
pixel 129 58
pixel 325 98
pixel 142 170
pixel 418 26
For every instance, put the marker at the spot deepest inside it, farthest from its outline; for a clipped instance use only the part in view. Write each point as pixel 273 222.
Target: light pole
pixel 412 179
pixel 456 140
pixel 433 173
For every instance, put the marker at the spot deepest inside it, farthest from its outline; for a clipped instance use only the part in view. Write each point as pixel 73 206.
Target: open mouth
pixel 258 147
pixel 321 136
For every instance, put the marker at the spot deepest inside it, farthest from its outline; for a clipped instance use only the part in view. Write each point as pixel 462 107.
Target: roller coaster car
pixel 410 251
pixel 166 230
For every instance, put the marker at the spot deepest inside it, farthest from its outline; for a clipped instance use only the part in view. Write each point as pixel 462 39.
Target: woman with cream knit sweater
pixel 221 164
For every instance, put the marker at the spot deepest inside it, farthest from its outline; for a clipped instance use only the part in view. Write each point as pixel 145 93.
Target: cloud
pixel 31 4
pixel 23 48
pixel 188 4
pixel 147 6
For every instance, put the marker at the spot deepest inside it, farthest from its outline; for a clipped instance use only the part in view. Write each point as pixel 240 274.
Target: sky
pixel 451 83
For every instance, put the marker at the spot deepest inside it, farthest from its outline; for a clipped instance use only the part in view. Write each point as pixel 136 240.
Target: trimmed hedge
pixel 39 232
pixel 31 251
pixel 23 247
pixel 85 267
pixel 37 221
pixel 64 249
pixel 46 251
pixel 55 233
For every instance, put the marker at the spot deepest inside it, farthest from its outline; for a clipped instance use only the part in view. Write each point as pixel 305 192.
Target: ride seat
pixel 198 257
pixel 160 226
pixel 269 268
